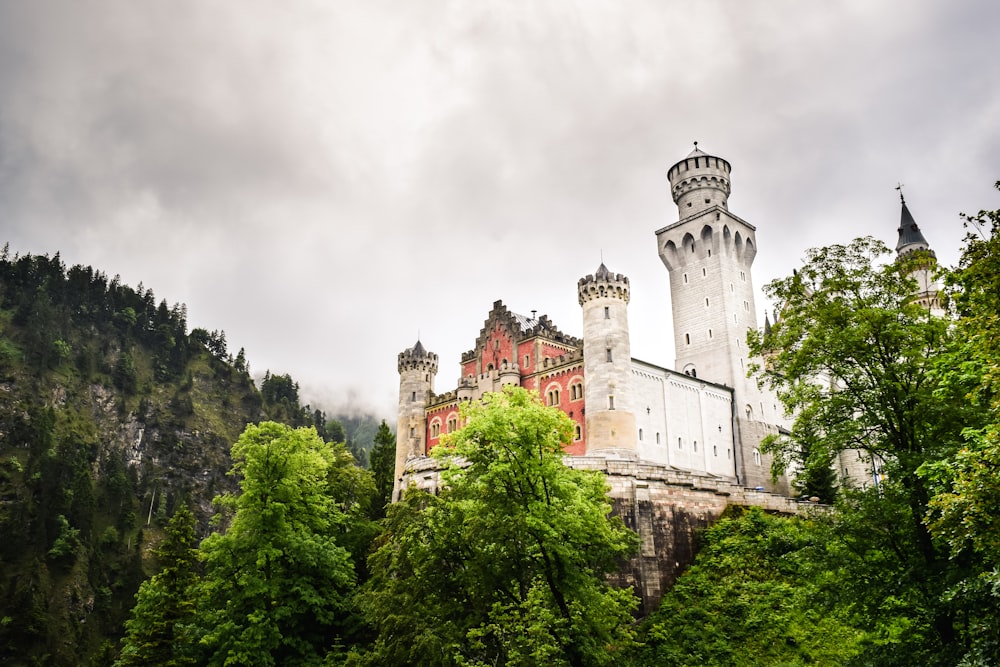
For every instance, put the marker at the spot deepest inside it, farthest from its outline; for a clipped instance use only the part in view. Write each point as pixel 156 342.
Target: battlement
pixel 417 358
pixel 562 360
pixel 439 400
pixel 603 284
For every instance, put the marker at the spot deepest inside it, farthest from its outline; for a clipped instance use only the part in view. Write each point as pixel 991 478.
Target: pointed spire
pixel 602 272
pixel 418 349
pixel 767 324
pixel 909 233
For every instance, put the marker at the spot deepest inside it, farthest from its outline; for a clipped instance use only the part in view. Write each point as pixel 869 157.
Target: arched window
pixel 577 433
pixel 756 456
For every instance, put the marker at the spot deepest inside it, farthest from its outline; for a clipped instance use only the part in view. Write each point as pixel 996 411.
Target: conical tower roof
pixel 909 232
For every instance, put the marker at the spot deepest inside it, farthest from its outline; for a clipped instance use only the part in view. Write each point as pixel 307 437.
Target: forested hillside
pixel 112 415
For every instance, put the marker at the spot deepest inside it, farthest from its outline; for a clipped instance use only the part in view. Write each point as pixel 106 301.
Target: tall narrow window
pixel 703 272
pixel 657 437
pixel 607 313
pixel 695 445
pixel 611 402
pixel 578 433
pixel 608 351
pixel 640 435
pixel 680 443
pixel 687 339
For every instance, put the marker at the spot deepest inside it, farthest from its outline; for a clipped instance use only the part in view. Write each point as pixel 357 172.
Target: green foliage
pixel 383 463
pixel 277 583
pixel 965 513
pixel 157 633
pixel 754 597
pixel 67 541
pixel 507 565
pixel 859 364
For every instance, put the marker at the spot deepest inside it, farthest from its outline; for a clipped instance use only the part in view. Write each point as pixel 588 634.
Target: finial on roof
pixel 696 145
pixel 899 186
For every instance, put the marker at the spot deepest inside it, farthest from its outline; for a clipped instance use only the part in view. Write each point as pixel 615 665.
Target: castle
pixel 706 417
pixel 677 446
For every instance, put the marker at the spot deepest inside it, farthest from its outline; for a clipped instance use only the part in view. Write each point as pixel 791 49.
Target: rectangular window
pixel 527 360
pixel 607 313
pixel 608 350
pixel 611 402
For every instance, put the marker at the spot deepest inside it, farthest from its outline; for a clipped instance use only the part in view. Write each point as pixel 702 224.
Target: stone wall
pixel 666 506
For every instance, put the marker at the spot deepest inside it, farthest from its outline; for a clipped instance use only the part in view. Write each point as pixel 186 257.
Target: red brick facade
pixel 514 349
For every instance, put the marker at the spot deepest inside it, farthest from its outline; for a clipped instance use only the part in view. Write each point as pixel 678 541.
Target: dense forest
pixel 158 508
pixel 112 416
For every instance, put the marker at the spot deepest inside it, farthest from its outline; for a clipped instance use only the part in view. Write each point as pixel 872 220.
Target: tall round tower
pixel 607 362
pixel 708 253
pixel 417 368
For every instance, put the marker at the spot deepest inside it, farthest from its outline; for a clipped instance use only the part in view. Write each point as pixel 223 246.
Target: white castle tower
pixel 709 252
pixel 417 368
pixel 912 244
pixel 607 362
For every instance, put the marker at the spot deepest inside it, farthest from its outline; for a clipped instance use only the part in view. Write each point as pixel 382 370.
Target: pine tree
pixel 383 461
pixel 155 635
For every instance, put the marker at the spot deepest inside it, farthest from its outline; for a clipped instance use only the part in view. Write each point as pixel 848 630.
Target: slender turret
pixel 913 247
pixel 417 368
pixel 607 362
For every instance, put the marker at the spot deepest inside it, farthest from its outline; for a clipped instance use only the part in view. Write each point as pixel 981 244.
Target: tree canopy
pixel 507 565
pixel 277 584
pixel 868 371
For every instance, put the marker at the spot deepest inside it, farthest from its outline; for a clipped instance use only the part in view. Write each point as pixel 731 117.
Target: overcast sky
pixel 323 180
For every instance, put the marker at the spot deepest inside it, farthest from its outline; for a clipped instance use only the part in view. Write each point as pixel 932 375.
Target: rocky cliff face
pixel 88 475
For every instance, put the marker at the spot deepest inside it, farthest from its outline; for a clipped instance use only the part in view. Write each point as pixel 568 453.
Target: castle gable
pixel 501 340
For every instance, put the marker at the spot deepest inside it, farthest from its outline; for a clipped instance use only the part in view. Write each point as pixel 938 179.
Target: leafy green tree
pixel 855 358
pixel 383 461
pixel 966 511
pixel 156 634
pixel 277 583
pixel 753 597
pixel 507 565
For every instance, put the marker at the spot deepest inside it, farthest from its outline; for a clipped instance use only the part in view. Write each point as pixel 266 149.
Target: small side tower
pixel 417 369
pixel 607 363
pixel 913 246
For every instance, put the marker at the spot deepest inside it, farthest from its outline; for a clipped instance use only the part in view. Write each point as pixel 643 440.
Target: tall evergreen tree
pixel 383 462
pixel 155 635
